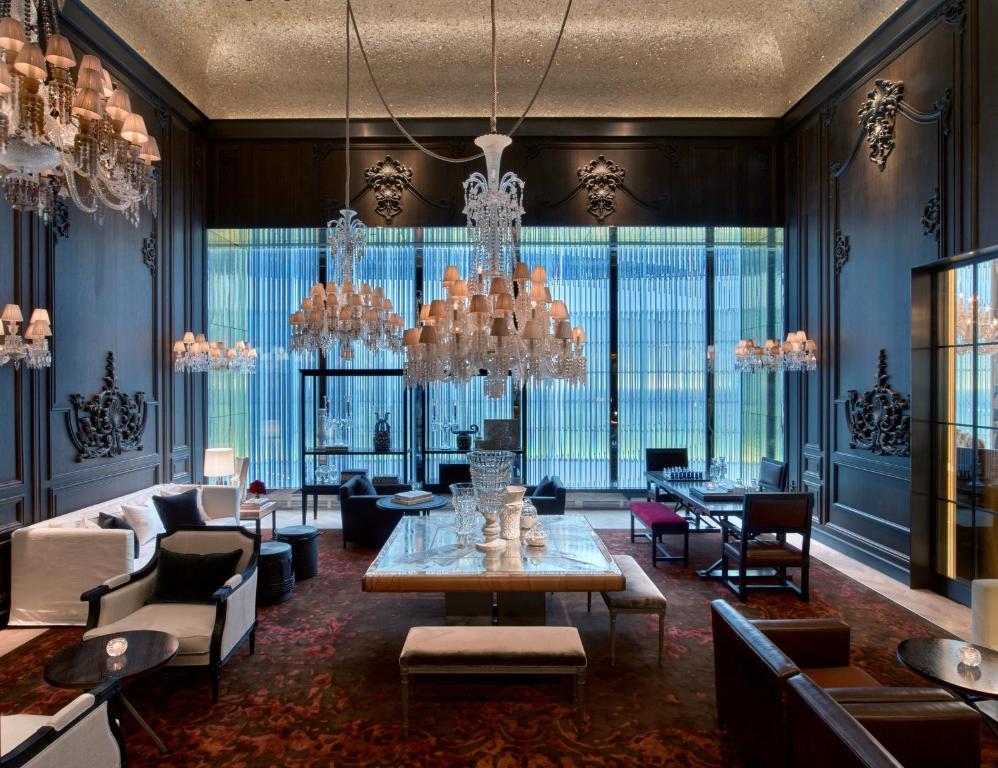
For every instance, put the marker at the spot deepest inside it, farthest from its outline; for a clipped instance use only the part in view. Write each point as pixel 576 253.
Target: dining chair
pixel 760 541
pixel 773 475
pixel 657 459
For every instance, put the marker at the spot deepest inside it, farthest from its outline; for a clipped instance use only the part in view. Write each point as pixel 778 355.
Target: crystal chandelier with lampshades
pixel 796 353
pixel 195 354
pixel 975 321
pixel 60 137
pixel 32 347
pixel 335 316
pixel 501 319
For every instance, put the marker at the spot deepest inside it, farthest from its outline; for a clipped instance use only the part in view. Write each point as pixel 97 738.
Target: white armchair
pixel 209 634
pixel 82 734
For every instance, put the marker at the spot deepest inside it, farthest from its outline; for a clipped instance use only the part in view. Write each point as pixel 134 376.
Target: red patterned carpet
pixel 323 690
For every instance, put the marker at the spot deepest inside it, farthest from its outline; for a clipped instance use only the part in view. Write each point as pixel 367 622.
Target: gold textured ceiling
pixel 619 58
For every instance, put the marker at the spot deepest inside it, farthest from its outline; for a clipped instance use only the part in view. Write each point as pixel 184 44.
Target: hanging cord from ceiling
pixel 346 112
pixel 516 126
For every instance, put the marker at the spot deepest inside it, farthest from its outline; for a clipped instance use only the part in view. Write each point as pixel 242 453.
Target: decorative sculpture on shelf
pixel 382 433
pixel 878 419
pixel 110 423
pixel 464 436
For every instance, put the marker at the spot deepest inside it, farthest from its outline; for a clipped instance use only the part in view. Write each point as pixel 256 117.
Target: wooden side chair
pixel 761 541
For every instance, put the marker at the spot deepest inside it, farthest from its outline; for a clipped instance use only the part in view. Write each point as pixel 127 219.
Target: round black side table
pixel 304 541
pixel 275 578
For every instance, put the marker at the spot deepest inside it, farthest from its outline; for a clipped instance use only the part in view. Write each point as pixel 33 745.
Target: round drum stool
pixel 304 541
pixel 274 579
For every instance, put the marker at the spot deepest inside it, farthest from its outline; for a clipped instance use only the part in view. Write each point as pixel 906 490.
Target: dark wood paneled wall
pixel 935 48
pixel 291 173
pixel 104 297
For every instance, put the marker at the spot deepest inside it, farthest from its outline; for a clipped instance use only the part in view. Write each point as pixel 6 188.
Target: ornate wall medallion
pixel 150 248
pixel 879 419
pixel 601 177
pixel 876 119
pixel 110 423
pixel 388 178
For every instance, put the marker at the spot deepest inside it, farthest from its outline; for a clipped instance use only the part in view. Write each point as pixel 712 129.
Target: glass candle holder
pixel 116 646
pixel 970 656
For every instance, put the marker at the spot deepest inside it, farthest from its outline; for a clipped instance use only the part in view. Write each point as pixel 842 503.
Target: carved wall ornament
pixel 877 116
pixel 879 419
pixel 388 179
pixel 150 248
pixel 842 248
pixel 828 112
pixel 108 424
pixel 931 214
pixel 953 13
pixel 601 177
pixel 60 218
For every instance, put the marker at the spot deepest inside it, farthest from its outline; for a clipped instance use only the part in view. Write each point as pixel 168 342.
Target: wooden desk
pixel 425 554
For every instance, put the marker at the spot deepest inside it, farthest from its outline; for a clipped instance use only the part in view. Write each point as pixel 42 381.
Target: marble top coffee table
pixel 425 554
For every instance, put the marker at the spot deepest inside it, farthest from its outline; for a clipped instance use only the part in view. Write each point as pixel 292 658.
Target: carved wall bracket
pixel 601 177
pixel 842 248
pixel 388 179
pixel 879 419
pixel 931 215
pixel 150 248
pixel 108 424
pixel 60 219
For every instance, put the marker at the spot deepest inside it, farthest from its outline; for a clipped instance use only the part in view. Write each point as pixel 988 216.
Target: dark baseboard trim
pixel 886 567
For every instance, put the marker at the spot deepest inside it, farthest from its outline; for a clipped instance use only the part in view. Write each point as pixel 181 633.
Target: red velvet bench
pixel 660 521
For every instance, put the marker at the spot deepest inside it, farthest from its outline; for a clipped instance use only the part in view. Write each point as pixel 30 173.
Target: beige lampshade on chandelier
pixel 502 319
pixel 63 137
pixel 336 315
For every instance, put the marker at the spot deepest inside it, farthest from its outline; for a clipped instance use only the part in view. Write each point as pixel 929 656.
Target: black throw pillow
pixel 359 485
pixel 545 487
pixel 181 509
pixel 189 578
pixel 110 521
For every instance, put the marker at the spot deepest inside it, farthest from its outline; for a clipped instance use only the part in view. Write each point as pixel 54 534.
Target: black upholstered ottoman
pixel 304 541
pixel 274 578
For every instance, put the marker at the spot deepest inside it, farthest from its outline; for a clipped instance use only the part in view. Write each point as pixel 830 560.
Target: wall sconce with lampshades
pixel 13 347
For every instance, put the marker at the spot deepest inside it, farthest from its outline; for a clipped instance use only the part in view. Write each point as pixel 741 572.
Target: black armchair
pixel 773 475
pixel 363 523
pixel 548 496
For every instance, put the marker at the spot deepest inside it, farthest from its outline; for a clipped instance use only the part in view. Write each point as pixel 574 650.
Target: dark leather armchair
pixel 754 661
pixel 880 728
pixel 759 540
pixel 363 523
pixel 657 459
pixel 453 473
pixel 773 475
pixel 548 496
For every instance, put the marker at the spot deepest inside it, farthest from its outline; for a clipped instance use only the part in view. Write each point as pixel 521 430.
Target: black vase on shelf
pixel 382 433
pixel 464 436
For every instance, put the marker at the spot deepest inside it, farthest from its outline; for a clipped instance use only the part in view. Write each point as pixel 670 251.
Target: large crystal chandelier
pixel 195 354
pixel 58 137
pixel 335 315
pixel 502 319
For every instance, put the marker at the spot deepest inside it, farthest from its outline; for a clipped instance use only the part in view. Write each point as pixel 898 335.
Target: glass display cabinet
pixel 352 421
pixel 955 422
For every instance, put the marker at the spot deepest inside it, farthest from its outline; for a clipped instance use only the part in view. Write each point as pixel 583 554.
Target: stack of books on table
pixel 412 497
pixel 254 503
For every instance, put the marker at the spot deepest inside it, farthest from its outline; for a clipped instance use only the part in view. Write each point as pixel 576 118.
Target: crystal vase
pixel 490 473
pixel 465 512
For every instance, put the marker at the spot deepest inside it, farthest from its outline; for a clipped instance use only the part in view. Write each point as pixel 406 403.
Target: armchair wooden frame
pixel 220 599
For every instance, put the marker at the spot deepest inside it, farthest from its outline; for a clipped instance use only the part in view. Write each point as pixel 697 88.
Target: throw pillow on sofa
pixel 190 578
pixel 144 521
pixel 179 509
pixel 106 520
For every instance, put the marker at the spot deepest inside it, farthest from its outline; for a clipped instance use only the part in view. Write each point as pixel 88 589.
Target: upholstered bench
pixel 491 651
pixel 660 521
pixel 640 595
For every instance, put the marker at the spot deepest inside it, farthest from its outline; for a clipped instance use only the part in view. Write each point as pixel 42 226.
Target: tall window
pixel 648 298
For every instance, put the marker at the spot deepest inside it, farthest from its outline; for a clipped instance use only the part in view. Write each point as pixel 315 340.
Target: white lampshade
pixel 219 462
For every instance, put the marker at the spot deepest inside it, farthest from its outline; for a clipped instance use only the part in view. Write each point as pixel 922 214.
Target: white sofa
pixel 55 561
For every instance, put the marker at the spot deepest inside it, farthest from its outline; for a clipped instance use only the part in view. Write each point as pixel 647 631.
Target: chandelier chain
pixel 346 191
pixel 495 70
pixel 412 139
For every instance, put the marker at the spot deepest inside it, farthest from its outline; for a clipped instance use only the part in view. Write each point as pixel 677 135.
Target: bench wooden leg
pixel 405 705
pixel 579 695
pixel 613 637
pixel 589 602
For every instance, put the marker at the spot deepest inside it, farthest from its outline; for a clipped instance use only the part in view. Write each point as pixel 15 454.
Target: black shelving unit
pixel 310 456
